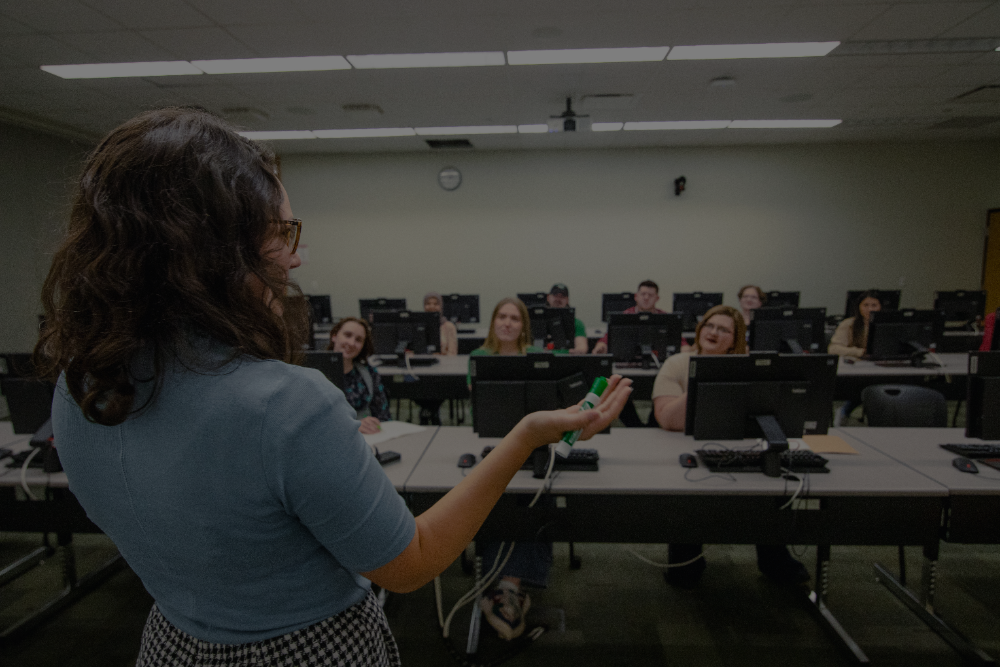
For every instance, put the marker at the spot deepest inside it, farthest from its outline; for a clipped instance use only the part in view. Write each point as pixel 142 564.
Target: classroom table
pixel 853 375
pixel 642 494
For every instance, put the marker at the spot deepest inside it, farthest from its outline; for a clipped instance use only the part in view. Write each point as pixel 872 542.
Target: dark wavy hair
pixel 164 244
pixel 859 328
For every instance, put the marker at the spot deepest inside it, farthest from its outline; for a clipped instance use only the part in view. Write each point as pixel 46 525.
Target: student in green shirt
pixel 510 332
pixel 559 298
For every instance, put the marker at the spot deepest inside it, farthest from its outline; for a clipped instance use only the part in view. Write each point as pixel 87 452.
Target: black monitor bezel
pixel 450 301
pixel 816 317
pixel 380 305
pixel 609 299
pixel 567 315
pixel 321 303
pixel 881 319
pixel 674 321
pixel 956 295
pixel 690 318
pixel 384 320
pixel 331 366
pixel 775 294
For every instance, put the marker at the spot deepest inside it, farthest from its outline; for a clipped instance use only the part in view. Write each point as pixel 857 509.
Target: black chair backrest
pixel 903 405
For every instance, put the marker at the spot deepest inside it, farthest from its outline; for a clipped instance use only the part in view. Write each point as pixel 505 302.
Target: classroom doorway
pixel 991 261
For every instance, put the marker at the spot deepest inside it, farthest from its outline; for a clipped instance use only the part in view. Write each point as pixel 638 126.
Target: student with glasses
pixel 234 483
pixel 721 331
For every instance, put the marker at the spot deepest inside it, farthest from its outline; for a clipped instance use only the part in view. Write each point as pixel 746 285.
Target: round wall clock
pixel 450 178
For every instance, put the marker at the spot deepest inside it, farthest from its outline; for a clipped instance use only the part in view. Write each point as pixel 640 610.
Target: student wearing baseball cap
pixel 559 298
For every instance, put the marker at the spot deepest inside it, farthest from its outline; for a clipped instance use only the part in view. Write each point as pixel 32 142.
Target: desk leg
pixel 472 645
pixel 22 565
pixel 75 589
pixel 817 599
pixel 924 609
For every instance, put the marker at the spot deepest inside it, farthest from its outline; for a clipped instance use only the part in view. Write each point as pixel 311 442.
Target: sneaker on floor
pixel 505 609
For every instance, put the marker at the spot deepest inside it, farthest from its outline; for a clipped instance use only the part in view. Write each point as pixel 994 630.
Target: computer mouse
pixel 689 461
pixel 964 464
pixel 466 460
pixel 847 360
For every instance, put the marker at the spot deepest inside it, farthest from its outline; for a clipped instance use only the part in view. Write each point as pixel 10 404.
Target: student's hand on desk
pixel 547 427
pixel 370 426
pixel 600 348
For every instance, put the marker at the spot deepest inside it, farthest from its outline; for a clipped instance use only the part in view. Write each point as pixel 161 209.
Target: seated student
pixel 646 297
pixel 851 340
pixel 430 408
pixel 506 605
pixel 751 298
pixel 363 387
pixel 989 326
pixel 558 297
pixel 721 331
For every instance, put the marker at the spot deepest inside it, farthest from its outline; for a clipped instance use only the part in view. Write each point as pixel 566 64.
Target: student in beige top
pixel 721 331
pixel 851 337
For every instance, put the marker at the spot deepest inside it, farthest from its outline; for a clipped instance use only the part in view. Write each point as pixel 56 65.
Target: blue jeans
pixel 530 562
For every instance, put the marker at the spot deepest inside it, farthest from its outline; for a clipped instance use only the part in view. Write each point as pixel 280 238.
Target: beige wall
pixel 820 219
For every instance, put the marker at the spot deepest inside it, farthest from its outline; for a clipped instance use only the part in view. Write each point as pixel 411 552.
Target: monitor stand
pixel 917 357
pixel 793 346
pixel 775 443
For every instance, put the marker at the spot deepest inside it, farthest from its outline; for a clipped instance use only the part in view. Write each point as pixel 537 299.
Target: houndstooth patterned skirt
pixel 359 635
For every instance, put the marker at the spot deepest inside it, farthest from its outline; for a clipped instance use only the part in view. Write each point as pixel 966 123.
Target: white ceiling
pixel 879 97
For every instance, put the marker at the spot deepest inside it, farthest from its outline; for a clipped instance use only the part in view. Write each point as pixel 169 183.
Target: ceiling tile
pixel 115 47
pixel 9 26
pixel 919 20
pixel 139 14
pixel 37 50
pixel 248 12
pixel 822 24
pixel 199 43
pixel 58 16
pixel 982 24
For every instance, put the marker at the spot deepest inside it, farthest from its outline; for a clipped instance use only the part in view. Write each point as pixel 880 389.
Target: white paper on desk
pixel 798 443
pixel 391 431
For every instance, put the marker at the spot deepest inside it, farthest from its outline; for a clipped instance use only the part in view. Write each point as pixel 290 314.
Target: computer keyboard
pixel 737 460
pixel 972 450
pixel 423 361
pixel 579 459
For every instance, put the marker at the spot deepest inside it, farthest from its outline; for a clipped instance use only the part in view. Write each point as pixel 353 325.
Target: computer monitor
pixel 462 308
pixel 506 388
pixel 552 328
pixel 617 302
pixel 695 304
pixel 29 399
pixel 793 330
pixel 397 332
pixel 961 307
pixel 903 334
pixel 782 300
pixel 995 343
pixel 638 337
pixel 534 299
pixel 888 298
pixel 760 395
pixel 319 306
pixel 369 306
pixel 983 408
pixel 327 362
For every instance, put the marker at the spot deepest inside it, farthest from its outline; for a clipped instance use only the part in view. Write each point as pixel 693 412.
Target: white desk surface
pixel 919 448
pixel 645 461
pixel 955 363
pixel 454 364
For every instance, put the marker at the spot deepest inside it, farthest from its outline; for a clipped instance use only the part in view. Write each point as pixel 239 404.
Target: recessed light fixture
pixel 114 70
pixel 470 129
pixel 568 56
pixel 370 132
pixel 774 50
pixel 538 128
pixel 405 60
pixel 679 125
pixel 606 127
pixel 279 135
pixel 262 65
pixel 769 124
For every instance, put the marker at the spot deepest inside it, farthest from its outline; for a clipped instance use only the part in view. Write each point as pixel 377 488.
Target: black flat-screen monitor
pixel 638 337
pixel 506 388
pixel 319 307
pixel 329 363
pixel 995 343
pixel 983 408
pixel 534 299
pixel 695 304
pixel 398 332
pixel 552 328
pixel 903 334
pixel 461 308
pixel 782 300
pixel 617 302
pixel 760 395
pixel 793 330
pixel 888 298
pixel 369 306
pixel 29 399
pixel 16 365
pixel 961 307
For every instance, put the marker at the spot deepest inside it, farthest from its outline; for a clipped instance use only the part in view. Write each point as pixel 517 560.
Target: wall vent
pixel 444 144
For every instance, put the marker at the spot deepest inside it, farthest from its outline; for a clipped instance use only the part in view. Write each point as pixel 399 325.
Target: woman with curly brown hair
pixel 235 484
pixel 363 387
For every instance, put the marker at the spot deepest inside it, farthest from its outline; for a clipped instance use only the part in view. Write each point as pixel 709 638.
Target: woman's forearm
pixel 671 411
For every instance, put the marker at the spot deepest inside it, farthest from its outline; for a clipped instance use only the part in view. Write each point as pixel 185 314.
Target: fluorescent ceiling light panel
pixel 372 132
pixel 775 50
pixel 258 65
pixel 680 125
pixel 539 128
pixel 470 129
pixel 606 127
pixel 113 70
pixel 279 135
pixel 568 56
pixel 400 60
pixel 770 124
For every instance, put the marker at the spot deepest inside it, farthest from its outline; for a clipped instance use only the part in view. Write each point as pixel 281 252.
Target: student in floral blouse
pixel 363 387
